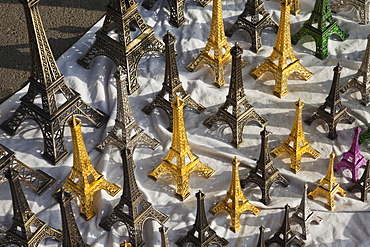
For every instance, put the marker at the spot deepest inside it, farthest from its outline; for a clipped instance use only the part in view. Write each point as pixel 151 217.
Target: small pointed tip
pixel 235 161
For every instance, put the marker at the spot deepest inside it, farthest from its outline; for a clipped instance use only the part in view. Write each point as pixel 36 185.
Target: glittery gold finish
pixel 216 45
pixel 296 144
pixel 185 162
pixel 125 244
pixel 287 63
pixel 235 203
pixel 84 180
pixel 296 8
pixel 328 186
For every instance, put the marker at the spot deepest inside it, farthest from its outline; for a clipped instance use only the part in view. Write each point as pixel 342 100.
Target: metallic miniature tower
pixel 303 215
pixel 185 162
pixel 265 173
pixel 285 236
pixel 48 83
pixel 364 73
pixel 84 181
pixel 296 144
pixel 352 159
pixel 125 244
pixel 282 54
pixel 261 239
pixel 253 20
pixel 320 26
pixel 201 235
pixel 242 112
pixel 328 186
pixel 38 180
pixel 363 184
pixel 26 229
pixel 235 203
pixel 127 210
pixel 176 9
pixel 172 84
pixel 123 15
pixel 216 54
pixel 361 5
pixel 164 236
pixel 122 135
pixel 337 113
pixel 71 234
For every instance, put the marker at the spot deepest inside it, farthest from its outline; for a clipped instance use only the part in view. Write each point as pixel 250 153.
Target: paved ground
pixel 65 21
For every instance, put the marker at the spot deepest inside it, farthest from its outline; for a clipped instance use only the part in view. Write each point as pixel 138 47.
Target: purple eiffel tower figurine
pixel 352 159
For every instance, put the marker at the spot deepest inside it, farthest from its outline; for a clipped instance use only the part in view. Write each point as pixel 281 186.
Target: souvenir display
pixel 363 184
pixel 296 144
pixel 236 111
pixel 286 62
pixel 362 7
pixel 84 181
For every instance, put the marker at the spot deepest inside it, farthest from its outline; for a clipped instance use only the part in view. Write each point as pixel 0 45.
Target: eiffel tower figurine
pixel 328 186
pixel 84 181
pixel 336 113
pixel 127 210
pixel 126 133
pixel 352 159
pixel 364 73
pixel 164 236
pixel 242 112
pixel 285 236
pixel 320 26
pixel 253 20
pixel 201 235
pixel 71 233
pixel 38 180
pixel 361 5
pixel 176 9
pixel 180 161
pixel 296 144
pixel 26 228
pixel 235 203
pixel 287 63
pixel 265 173
pixel 303 215
pixel 216 54
pixel 125 244
pixel 123 15
pixel 47 82
pixel 261 239
pixel 363 184
pixel 172 85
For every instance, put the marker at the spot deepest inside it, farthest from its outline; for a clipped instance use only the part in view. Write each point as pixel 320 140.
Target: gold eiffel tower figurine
pixel 185 162
pixel 328 186
pixel 296 144
pixel 287 63
pixel 84 180
pixel 235 203
pixel 296 7
pixel 216 45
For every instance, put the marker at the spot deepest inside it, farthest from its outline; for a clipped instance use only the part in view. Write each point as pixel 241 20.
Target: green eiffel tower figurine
pixel 320 26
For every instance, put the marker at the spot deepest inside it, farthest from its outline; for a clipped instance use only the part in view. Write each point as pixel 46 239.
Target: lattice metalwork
pixel 254 20
pixel 363 184
pixel 127 210
pixel 265 173
pixel 321 25
pixel 282 62
pixel 172 85
pixel 332 111
pixel 84 181
pixel 126 133
pixel 328 186
pixel 235 203
pixel 364 70
pixel 201 235
pixel 362 6
pixel 26 229
pixel 216 54
pixel 38 180
pixel 285 236
pixel 180 161
pixel 236 111
pixel 47 83
pixel 123 17
pixel 296 144
pixel 303 215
